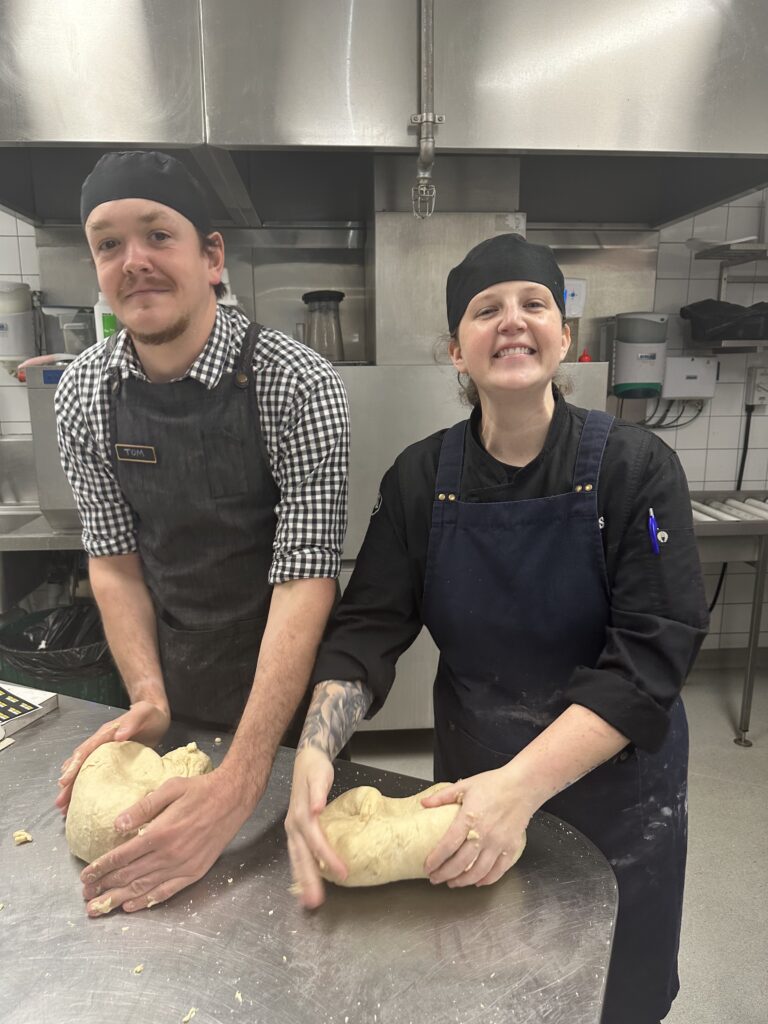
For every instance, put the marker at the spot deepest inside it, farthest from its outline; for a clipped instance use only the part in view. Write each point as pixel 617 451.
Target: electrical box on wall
pixel 757 386
pixel 689 377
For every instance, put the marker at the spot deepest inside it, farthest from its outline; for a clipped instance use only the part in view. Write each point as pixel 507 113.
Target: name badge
pixel 136 453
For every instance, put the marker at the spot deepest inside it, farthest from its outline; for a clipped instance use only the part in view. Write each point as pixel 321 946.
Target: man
pixel 208 458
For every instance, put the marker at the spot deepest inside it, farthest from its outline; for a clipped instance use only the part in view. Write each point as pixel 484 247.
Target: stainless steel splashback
pixel 409 260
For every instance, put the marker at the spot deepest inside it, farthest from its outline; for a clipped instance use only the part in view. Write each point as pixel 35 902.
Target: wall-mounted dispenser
pixel 639 355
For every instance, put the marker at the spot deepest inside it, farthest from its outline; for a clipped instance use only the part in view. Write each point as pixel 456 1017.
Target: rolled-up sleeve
pixel 107 518
pixel 659 614
pixel 311 471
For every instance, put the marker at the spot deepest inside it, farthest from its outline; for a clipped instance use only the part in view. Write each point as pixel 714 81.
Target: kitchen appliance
pixel 17 332
pixel 57 503
pixel 323 324
pixel 639 355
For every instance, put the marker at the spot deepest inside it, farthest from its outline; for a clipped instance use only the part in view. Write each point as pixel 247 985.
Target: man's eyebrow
pixel 145 218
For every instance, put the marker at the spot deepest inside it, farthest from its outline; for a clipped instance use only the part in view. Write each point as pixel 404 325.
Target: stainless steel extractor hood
pixel 612 114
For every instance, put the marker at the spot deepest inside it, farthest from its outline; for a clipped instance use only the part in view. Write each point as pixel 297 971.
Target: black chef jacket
pixel 659 612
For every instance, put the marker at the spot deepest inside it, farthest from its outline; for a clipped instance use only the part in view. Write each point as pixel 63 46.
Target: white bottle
pixel 105 319
pixel 229 298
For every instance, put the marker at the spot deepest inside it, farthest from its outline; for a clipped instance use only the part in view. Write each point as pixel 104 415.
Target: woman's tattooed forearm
pixel 334 714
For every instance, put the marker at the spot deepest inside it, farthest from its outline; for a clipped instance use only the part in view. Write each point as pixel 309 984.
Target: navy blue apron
pixel 516 596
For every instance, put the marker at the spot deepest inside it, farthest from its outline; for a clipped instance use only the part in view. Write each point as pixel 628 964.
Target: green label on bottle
pixel 108 324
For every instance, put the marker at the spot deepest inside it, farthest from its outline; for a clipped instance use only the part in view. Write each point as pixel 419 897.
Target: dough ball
pixel 113 778
pixel 383 839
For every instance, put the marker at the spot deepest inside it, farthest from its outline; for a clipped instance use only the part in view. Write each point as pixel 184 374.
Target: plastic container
pixel 105 319
pixel 63 650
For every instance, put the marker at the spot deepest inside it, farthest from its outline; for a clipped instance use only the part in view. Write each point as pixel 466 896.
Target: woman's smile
pixel 513 350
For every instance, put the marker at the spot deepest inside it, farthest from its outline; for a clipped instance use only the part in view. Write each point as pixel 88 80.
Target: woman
pixel 550 553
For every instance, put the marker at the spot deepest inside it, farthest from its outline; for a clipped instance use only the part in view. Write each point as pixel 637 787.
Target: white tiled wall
pixel 18 251
pixel 18 262
pixel 710 447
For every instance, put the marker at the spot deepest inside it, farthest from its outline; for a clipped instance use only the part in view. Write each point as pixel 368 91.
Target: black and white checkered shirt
pixel 304 419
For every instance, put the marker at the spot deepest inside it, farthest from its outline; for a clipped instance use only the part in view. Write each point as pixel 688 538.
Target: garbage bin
pixel 63 650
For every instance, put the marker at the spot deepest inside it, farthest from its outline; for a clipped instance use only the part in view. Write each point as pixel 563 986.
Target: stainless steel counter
pixel 741 538
pixel 26 529
pixel 532 948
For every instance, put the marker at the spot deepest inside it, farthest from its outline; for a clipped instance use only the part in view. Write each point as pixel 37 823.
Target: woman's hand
pixel 486 836
pixel 145 722
pixel 307 845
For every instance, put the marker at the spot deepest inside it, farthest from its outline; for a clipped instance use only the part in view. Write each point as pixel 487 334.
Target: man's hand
pixel 144 722
pixel 484 840
pixel 183 827
pixel 307 845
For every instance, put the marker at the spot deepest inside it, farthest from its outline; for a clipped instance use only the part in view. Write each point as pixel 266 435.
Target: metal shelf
pixel 734 347
pixel 732 253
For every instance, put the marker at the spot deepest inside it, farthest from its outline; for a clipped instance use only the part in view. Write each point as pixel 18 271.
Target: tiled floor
pixel 724 953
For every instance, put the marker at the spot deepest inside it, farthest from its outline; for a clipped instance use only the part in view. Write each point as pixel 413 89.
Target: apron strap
pixel 448 479
pixel 244 368
pixel 594 435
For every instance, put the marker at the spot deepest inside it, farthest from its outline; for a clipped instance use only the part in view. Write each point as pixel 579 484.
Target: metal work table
pixel 534 947
pixel 742 540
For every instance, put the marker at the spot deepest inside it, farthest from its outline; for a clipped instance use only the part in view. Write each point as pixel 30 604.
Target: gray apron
pixel 516 596
pixel 192 464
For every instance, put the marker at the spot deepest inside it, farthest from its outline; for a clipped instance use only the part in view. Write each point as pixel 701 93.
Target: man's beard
pixel 162 337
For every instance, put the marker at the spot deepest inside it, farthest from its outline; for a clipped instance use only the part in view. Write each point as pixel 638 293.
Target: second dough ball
pixel 384 839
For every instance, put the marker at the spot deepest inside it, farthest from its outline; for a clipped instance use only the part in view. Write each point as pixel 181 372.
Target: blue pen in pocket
pixel 653 531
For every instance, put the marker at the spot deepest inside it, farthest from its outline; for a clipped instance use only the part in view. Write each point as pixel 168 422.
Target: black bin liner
pixel 64 650
pixel 714 320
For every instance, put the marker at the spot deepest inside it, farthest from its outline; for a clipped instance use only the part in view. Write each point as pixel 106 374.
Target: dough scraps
pixel 112 778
